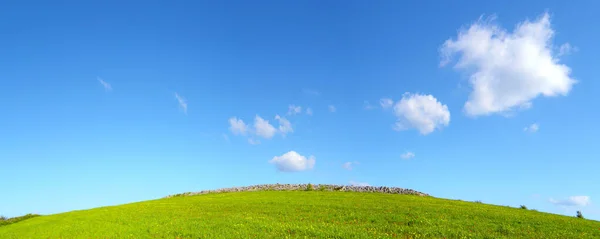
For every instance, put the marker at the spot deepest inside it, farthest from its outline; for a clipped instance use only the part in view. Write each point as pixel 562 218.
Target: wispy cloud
pixel 309 111
pixel 105 84
pixel 332 108
pixel 253 141
pixel 292 110
pixel 368 106
pixel 237 126
pixel 182 103
pixel 566 49
pixel 532 128
pixel 263 128
pixel 407 155
pixel 580 201
pixel 349 165
pixel 386 103
pixel 284 125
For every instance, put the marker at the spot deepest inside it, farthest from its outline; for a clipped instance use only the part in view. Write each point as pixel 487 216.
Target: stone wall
pixel 304 187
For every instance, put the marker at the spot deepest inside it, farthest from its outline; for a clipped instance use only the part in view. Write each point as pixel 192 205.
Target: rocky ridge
pixel 308 187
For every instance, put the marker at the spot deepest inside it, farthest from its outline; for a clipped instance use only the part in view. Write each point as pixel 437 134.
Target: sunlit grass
pixel 300 214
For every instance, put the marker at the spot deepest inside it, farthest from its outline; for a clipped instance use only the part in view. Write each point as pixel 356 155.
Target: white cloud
pixel 507 69
pixel 292 110
pixel 237 126
pixel 353 183
pixel 421 112
pixel 407 155
pixel 263 129
pixel 367 105
pixel 532 128
pixel 566 49
pixel 581 201
pixel 182 103
pixel 332 108
pixel 253 141
pixel 293 162
pixel 386 103
pixel 106 86
pixel 349 165
pixel 284 125
pixel 309 111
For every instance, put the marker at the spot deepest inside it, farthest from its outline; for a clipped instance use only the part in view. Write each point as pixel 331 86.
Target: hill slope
pixel 313 214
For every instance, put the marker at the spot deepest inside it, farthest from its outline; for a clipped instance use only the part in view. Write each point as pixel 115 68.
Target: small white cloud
pixel 580 201
pixel 353 183
pixel 237 126
pixel 367 105
pixel 284 125
pixel 293 162
pixel 332 108
pixel 386 103
pixel 104 84
pixel 532 128
pixel 407 155
pixel 508 69
pixel 263 129
pixel 349 165
pixel 182 103
pixel 292 110
pixel 309 111
pixel 421 112
pixel 566 49
pixel 253 141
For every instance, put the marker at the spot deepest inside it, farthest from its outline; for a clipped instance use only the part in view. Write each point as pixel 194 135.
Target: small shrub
pixel 2 218
pixel 579 215
pixel 310 187
pixel 322 188
pixel 478 201
pixel 523 207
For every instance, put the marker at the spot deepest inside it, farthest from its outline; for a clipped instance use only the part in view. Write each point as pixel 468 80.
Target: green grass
pixel 303 214
pixel 8 221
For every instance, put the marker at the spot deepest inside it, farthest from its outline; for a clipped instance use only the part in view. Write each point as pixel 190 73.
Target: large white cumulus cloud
pixel 507 70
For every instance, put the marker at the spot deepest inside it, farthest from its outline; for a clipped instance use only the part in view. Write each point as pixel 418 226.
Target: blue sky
pixel 105 102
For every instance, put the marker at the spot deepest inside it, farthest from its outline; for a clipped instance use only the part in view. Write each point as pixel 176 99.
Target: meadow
pixel 303 214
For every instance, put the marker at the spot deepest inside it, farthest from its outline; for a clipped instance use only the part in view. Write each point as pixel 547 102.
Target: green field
pixel 303 214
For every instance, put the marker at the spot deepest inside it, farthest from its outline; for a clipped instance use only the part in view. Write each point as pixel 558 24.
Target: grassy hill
pixel 300 214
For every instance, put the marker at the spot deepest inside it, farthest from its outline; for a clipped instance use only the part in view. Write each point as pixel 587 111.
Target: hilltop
pixel 309 187
pixel 294 211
